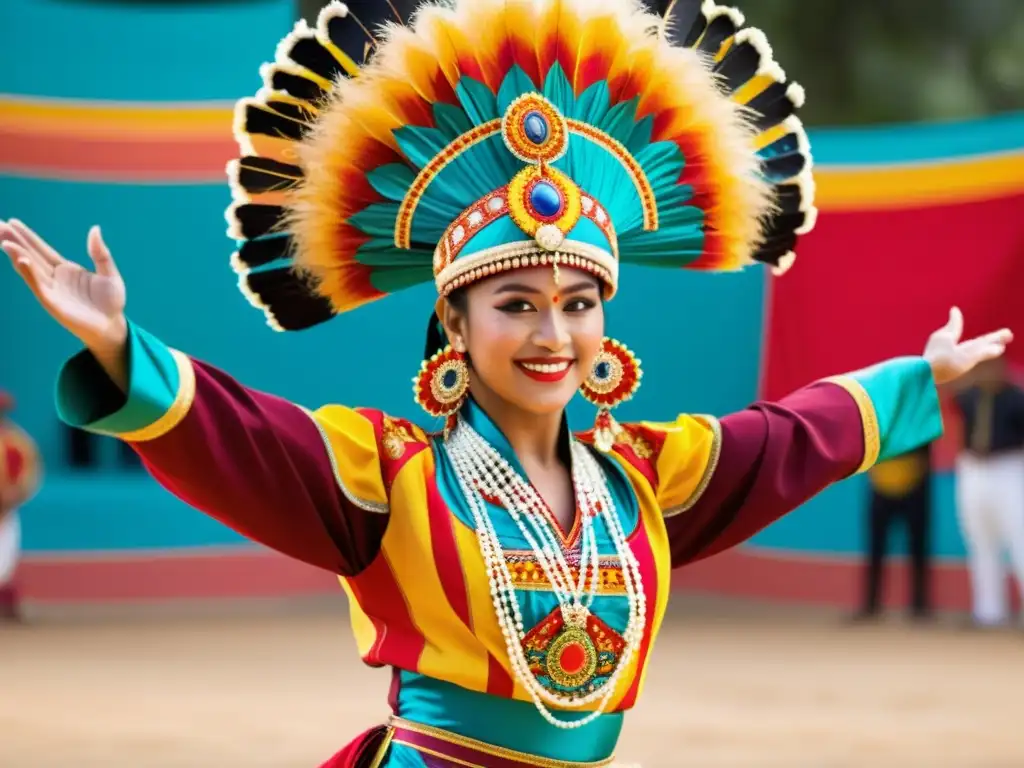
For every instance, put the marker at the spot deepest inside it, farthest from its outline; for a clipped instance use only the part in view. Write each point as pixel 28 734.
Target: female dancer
pixel 513 575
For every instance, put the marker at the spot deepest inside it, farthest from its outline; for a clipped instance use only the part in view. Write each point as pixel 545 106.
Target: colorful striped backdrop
pixel 121 116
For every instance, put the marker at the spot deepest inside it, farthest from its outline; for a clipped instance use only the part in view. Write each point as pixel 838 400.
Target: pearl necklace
pixel 482 472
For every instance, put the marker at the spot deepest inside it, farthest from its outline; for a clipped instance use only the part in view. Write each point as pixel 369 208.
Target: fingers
pixel 100 254
pixel 9 235
pixel 33 242
pixel 28 268
pixel 955 325
pixel 987 347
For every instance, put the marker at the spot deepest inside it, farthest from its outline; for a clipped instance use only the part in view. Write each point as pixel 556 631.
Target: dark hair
pixel 436 337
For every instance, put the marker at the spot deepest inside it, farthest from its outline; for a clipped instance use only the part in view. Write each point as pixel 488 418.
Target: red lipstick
pixel 546 369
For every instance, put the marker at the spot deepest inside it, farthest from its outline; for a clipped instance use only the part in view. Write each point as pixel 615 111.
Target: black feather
pixel 771 113
pixel 684 21
pixel 257 253
pixel 291 301
pixel 720 29
pixel 739 65
pixel 299 87
pixel 784 167
pixel 261 174
pixel 263 121
pixel 307 52
pixel 257 220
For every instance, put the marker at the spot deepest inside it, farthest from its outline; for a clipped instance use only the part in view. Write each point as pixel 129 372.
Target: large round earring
pixel 442 385
pixel 613 379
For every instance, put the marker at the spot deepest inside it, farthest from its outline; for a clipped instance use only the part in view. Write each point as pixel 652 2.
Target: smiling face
pixel 531 341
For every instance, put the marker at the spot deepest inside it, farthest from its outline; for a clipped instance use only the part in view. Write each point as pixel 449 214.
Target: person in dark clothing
pixel 900 494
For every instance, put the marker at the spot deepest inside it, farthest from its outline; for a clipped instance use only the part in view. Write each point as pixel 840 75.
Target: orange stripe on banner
pixel 104 159
pixel 62 118
pixel 955 180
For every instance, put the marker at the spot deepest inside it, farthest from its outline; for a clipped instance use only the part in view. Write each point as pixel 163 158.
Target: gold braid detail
pixel 179 408
pixel 709 470
pixel 868 419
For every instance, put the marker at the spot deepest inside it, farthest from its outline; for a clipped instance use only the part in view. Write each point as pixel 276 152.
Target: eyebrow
pixel 523 288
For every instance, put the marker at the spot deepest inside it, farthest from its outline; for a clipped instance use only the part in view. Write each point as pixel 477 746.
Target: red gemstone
pixel 573 658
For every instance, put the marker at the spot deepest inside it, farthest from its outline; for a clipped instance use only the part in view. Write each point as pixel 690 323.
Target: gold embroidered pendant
pixel 571 658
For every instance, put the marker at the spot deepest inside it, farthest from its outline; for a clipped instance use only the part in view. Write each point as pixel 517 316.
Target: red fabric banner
pixel 871 285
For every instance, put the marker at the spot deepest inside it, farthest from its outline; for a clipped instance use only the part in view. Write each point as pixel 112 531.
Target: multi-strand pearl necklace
pixel 483 473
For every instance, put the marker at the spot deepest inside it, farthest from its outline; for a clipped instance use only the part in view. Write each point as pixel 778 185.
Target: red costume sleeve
pixel 259 464
pixel 772 457
pixel 305 484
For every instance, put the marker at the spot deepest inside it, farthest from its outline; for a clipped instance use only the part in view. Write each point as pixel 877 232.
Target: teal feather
pixel 479 104
pixel 451 120
pixel 376 220
pixel 392 181
pixel 393 280
pixel 514 85
pixel 640 136
pixel 619 121
pixel 593 103
pixel 558 90
pixel 420 144
pixel 382 253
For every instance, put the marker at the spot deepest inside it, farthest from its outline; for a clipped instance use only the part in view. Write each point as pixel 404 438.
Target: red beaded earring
pixel 614 378
pixel 442 385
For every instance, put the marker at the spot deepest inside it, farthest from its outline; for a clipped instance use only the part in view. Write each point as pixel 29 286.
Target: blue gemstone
pixel 603 370
pixel 536 127
pixel 545 199
pixel 450 378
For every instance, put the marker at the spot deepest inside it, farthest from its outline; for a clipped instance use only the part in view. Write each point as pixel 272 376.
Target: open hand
pixel 951 358
pixel 88 304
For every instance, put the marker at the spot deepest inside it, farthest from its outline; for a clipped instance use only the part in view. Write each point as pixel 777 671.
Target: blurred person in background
pixel 19 479
pixel 900 493
pixel 990 487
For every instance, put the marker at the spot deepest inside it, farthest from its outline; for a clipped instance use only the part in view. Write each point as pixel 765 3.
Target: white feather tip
pixel 785 264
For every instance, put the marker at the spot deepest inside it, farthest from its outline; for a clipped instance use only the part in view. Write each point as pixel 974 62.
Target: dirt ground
pixel 731 685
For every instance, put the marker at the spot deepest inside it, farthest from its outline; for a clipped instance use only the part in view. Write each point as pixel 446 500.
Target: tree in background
pixel 881 61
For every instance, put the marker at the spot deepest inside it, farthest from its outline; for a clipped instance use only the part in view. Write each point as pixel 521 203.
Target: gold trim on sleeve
pixel 709 470
pixel 179 408
pixel 868 419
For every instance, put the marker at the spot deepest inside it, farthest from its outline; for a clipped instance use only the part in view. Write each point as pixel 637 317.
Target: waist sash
pixel 456 750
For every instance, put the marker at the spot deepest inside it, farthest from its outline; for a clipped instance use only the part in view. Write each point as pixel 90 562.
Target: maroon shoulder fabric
pixel 258 464
pixel 774 457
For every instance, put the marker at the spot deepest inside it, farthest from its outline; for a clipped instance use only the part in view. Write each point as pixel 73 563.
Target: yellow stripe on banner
pixel 144 119
pixel 854 188
pixel 451 652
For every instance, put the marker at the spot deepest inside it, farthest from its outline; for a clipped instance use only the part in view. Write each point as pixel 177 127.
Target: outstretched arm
pixel 257 463
pixel 308 485
pixel 767 460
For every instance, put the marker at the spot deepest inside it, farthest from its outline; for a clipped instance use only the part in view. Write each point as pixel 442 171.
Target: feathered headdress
pixel 387 149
